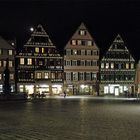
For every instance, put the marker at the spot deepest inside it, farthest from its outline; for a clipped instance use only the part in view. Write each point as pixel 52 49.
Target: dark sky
pixel 104 19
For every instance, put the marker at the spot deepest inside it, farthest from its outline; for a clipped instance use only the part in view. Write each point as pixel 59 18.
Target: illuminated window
pixel 46 75
pixel 74 52
pixel 1 88
pixel 4 63
pixel 102 65
pixel 79 42
pixel 127 66
pixel 38 75
pixel 0 76
pixel 10 64
pixel 82 32
pixel 11 76
pixel 42 50
pixel 22 61
pixel 132 66
pixel 10 52
pixel 89 43
pixel 29 61
pixel 94 76
pixel 73 42
pixel 37 50
pixel 112 65
pixel 107 65
pixel 21 88
pixel 0 63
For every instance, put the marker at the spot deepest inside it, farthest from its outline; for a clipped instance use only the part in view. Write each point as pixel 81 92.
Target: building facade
pixel 117 70
pixel 81 63
pixel 7 52
pixel 39 66
pixel 137 78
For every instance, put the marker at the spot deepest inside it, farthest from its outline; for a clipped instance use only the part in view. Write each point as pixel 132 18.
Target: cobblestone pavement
pixel 70 119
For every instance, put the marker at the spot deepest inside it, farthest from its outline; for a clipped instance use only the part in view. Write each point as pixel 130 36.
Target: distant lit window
pixel 74 52
pixel 0 63
pixel 82 32
pixel 29 61
pixel 102 65
pixel 112 65
pixel 132 66
pixel 46 75
pixel 37 50
pixel 89 43
pixel 0 76
pixel 22 61
pixel 79 42
pixel 73 42
pixel 10 63
pixel 107 65
pixel 38 75
pixel 11 76
pixel 4 63
pixel 127 66
pixel 10 52
pixel 42 50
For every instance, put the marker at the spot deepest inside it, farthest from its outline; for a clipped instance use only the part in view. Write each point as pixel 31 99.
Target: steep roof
pixel 77 36
pixel 4 44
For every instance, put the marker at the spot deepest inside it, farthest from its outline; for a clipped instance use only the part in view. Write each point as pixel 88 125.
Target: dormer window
pixel 82 32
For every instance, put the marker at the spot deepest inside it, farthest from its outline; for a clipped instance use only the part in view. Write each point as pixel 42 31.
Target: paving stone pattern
pixel 70 119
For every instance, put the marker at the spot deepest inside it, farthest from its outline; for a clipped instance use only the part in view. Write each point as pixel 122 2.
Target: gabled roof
pixel 77 36
pixel 4 44
pixel 39 34
pixel 118 46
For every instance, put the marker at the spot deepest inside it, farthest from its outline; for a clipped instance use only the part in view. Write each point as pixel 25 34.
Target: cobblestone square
pixel 70 119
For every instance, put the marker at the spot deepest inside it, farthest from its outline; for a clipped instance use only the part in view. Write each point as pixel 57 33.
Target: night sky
pixel 103 18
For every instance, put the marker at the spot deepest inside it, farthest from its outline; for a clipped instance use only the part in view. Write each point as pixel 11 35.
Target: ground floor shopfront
pixel 117 89
pixel 81 89
pixel 43 88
